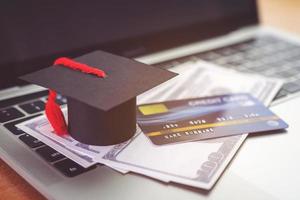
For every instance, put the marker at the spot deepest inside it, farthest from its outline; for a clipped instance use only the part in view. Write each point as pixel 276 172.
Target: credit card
pixel 204 118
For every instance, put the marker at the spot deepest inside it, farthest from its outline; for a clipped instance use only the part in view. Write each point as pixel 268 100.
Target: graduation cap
pixel 101 109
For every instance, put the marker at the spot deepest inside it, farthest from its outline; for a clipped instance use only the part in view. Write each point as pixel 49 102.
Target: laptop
pixel 164 34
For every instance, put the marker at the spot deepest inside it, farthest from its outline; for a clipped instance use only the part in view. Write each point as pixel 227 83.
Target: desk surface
pixel 282 14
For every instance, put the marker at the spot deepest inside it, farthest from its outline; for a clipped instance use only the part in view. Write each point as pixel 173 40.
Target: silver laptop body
pixel 266 167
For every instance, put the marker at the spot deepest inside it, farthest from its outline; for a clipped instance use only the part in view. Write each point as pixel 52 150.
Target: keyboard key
pixel 70 168
pixel 280 94
pixel 20 99
pixel 260 68
pixel 285 74
pixel 227 51
pixel 49 154
pixel 11 125
pixel 297 69
pixel 242 47
pixel 9 114
pixel 31 141
pixel 61 100
pixel 33 107
pixel 209 56
pixel 291 87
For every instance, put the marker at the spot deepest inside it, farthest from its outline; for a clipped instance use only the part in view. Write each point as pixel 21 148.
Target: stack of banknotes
pixel 198 163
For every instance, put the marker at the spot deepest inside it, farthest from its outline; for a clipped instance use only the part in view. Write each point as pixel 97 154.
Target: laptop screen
pixel 34 33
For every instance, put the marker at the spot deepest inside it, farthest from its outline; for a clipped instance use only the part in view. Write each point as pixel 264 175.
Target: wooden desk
pixel 13 186
pixel 279 13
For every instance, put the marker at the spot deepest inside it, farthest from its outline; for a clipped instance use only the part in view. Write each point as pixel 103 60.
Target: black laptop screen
pixel 33 33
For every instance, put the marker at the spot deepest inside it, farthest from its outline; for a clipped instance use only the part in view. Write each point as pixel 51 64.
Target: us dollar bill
pixel 33 128
pixel 200 163
pixel 83 154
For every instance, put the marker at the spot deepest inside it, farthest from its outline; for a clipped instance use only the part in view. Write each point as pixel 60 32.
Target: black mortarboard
pixel 101 111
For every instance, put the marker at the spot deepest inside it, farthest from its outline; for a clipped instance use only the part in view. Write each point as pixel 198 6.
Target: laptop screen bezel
pixel 137 46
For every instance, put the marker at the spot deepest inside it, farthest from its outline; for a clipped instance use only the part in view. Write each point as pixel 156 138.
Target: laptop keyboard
pixel 16 110
pixel 263 55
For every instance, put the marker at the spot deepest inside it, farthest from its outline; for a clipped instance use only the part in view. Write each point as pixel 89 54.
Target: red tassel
pixel 79 66
pixel 52 109
pixel 55 115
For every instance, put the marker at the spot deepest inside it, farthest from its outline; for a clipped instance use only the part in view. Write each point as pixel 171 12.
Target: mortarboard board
pixel 101 111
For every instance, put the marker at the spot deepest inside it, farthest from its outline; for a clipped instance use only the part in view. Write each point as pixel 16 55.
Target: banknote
pixel 32 128
pixel 83 154
pixel 199 163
